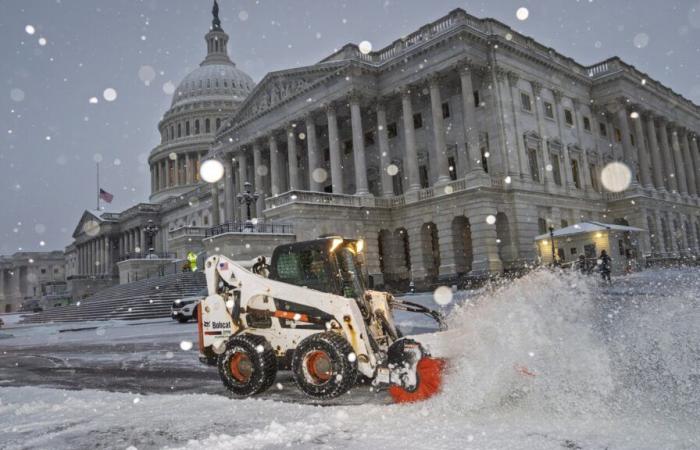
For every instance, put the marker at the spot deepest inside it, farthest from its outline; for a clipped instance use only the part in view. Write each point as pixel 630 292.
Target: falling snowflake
pixel 109 94
pixel 522 13
pixel 365 47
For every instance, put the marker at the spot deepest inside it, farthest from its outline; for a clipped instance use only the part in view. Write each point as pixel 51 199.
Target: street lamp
pixel 248 198
pixel 150 231
pixel 551 237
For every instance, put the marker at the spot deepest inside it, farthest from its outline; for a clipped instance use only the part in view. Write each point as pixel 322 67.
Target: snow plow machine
pixel 309 311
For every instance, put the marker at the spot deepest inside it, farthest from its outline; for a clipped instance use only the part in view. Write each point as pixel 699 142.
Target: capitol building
pixel 447 151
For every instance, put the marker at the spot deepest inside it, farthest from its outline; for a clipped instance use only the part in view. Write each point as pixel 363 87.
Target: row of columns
pixel 668 160
pixel 674 234
pixel 471 150
pixel 95 256
pixel 182 170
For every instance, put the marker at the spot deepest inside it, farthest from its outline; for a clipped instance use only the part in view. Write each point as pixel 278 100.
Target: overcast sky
pixel 51 135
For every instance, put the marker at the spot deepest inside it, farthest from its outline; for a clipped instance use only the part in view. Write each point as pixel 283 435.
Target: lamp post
pixel 248 198
pixel 551 237
pixel 150 231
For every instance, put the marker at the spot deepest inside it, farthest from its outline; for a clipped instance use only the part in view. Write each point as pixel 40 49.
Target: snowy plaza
pixel 257 224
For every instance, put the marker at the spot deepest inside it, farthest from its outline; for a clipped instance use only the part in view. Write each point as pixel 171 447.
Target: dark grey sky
pixel 50 133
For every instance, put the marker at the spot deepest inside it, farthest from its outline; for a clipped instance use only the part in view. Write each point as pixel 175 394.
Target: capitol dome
pixel 203 100
pixel 213 81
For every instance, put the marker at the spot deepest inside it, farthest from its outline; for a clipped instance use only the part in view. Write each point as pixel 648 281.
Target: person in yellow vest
pixel 192 260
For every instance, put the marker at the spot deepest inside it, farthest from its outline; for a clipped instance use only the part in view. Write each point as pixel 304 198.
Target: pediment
pixel 88 224
pixel 279 87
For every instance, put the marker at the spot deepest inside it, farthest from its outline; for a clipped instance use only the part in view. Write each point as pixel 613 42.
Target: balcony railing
pixel 187 231
pixel 154 255
pixel 250 227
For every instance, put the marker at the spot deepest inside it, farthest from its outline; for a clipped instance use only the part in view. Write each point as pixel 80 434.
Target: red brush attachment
pixel 429 372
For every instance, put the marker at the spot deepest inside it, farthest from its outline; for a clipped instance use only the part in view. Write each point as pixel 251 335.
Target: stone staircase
pixel 144 299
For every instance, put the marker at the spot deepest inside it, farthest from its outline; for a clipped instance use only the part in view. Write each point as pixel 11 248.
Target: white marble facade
pixel 448 150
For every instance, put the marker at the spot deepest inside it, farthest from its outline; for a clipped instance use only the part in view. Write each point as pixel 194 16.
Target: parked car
pixel 185 309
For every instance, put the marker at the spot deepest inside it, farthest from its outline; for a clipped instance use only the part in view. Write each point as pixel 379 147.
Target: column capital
pixel 404 91
pixel 536 87
pixel 663 121
pixel 330 108
pixel 355 96
pixel 499 73
pixel 380 102
pixel 513 78
pixel 434 79
pixel 558 95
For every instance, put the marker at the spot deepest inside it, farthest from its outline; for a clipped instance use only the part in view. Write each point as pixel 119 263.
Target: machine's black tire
pixel 335 351
pixel 261 365
pixel 183 319
pixel 195 314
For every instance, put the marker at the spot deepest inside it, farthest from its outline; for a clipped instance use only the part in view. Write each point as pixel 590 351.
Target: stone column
pixel 108 256
pixel 229 199
pixel 275 183
pixel 667 157
pixel 215 216
pixel 166 163
pixel 443 167
pixel 469 115
pixel 243 178
pixel 567 176
pixel 188 169
pixel 678 160
pixel 334 148
pixel 383 147
pixel 627 148
pixel 660 238
pixel 696 162
pixel 358 146
pixel 485 247
pixel 548 176
pixel 688 163
pixel 312 152
pixel 644 169
pixel 292 158
pixel 654 151
pixel 411 154
pixel 258 179
pixel 142 240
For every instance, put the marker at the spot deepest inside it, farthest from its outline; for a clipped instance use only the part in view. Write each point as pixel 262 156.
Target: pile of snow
pixel 548 361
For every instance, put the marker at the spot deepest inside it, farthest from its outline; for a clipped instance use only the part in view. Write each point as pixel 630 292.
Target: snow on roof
pixel 587 227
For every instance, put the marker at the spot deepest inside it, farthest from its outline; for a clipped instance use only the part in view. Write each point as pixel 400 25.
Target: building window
pixel 618 135
pixel 477 101
pixel 542 225
pixel 322 130
pixel 586 123
pixel 196 126
pixel 568 117
pixel 218 123
pixel 172 132
pixel 326 154
pixel 397 181
pixel 632 140
pixel 594 177
pixel 187 128
pixel 207 126
pixel 369 138
pixel 179 130
pixel 43 270
pixel 534 167
pixel 391 130
pixel 417 121
pixel 603 129
pixel 564 223
pixel 347 147
pixel 525 103
pixel 548 110
pixel 445 110
pixel 452 168
pixel 574 173
pixel 484 159
pixel 423 174
pixel 556 172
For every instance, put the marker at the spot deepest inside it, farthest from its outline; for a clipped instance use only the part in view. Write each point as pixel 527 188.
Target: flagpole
pixel 98 185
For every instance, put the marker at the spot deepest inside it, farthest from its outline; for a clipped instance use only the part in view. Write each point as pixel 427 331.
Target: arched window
pixel 179 130
pixel 187 128
pixel 196 126
pixel 172 132
pixel 218 123
pixel 207 126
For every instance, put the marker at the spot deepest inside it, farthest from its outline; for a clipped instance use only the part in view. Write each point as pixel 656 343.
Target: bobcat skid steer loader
pixel 309 311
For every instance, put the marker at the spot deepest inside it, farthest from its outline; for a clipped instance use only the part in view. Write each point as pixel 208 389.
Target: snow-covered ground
pixel 547 361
